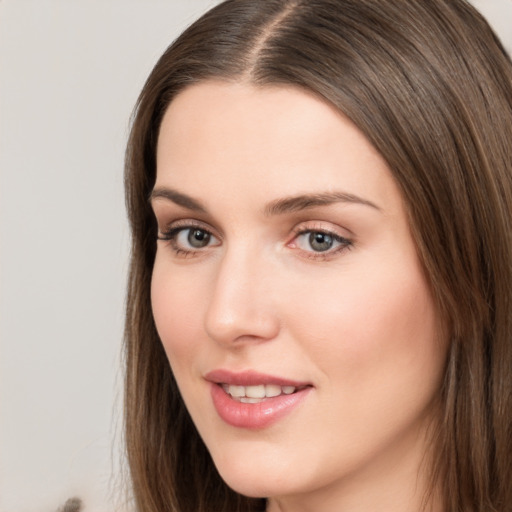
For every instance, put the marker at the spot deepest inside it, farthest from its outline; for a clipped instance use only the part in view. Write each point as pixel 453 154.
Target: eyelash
pixel 173 232
pixel 171 235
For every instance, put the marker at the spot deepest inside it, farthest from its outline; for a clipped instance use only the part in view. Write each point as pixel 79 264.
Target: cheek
pixel 372 330
pixel 379 357
pixel 175 306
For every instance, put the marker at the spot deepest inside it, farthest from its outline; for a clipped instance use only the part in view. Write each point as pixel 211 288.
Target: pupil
pixel 198 238
pixel 320 241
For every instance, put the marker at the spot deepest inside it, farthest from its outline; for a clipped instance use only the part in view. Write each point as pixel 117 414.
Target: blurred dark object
pixel 71 505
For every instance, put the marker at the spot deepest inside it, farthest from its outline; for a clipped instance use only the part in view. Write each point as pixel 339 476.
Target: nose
pixel 242 307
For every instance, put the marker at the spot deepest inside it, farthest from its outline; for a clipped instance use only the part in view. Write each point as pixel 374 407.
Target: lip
pixel 259 415
pixel 250 378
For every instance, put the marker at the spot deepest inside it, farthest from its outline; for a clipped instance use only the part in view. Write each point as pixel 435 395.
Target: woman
pixel 319 305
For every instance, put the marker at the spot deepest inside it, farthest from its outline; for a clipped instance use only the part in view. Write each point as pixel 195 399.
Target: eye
pixel 188 239
pixel 320 242
pixel 193 237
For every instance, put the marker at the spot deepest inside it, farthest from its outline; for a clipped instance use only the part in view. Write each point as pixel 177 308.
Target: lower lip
pixel 255 416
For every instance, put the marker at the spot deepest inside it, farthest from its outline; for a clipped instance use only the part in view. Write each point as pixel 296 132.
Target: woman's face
pixel 288 295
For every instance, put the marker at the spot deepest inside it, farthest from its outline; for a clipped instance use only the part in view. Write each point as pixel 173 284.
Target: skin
pixel 356 321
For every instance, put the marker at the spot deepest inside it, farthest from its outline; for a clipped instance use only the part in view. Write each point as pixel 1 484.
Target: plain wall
pixel 70 71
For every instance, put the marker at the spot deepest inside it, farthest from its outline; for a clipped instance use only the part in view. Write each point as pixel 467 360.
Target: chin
pixel 262 487
pixel 262 477
pixel 252 478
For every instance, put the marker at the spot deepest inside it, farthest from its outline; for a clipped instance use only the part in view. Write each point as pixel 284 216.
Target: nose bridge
pixel 240 307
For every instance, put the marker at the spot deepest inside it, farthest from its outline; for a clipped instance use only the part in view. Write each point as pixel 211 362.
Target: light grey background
pixel 70 71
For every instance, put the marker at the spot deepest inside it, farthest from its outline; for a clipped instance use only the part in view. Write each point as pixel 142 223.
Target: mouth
pixel 253 400
pixel 258 393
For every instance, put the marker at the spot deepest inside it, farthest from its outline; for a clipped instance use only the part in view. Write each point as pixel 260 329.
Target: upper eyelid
pixel 303 226
pixel 318 225
pixel 168 212
pixel 188 223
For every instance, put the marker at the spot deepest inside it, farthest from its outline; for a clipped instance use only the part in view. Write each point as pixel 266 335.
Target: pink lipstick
pixel 253 400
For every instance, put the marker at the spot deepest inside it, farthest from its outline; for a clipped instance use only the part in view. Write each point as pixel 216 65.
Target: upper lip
pixel 250 378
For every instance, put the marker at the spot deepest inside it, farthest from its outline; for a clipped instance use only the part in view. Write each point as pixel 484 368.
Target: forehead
pixel 266 141
pixel 219 112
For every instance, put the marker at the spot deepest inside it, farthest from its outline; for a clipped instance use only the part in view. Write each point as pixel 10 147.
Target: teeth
pixel 246 400
pixel 254 394
pixel 272 390
pixel 255 391
pixel 237 391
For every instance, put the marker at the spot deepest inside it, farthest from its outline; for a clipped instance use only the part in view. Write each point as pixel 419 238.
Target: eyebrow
pixel 178 198
pixel 277 207
pixel 307 201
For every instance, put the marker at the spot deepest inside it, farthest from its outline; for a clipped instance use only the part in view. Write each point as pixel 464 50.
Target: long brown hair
pixel 430 86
